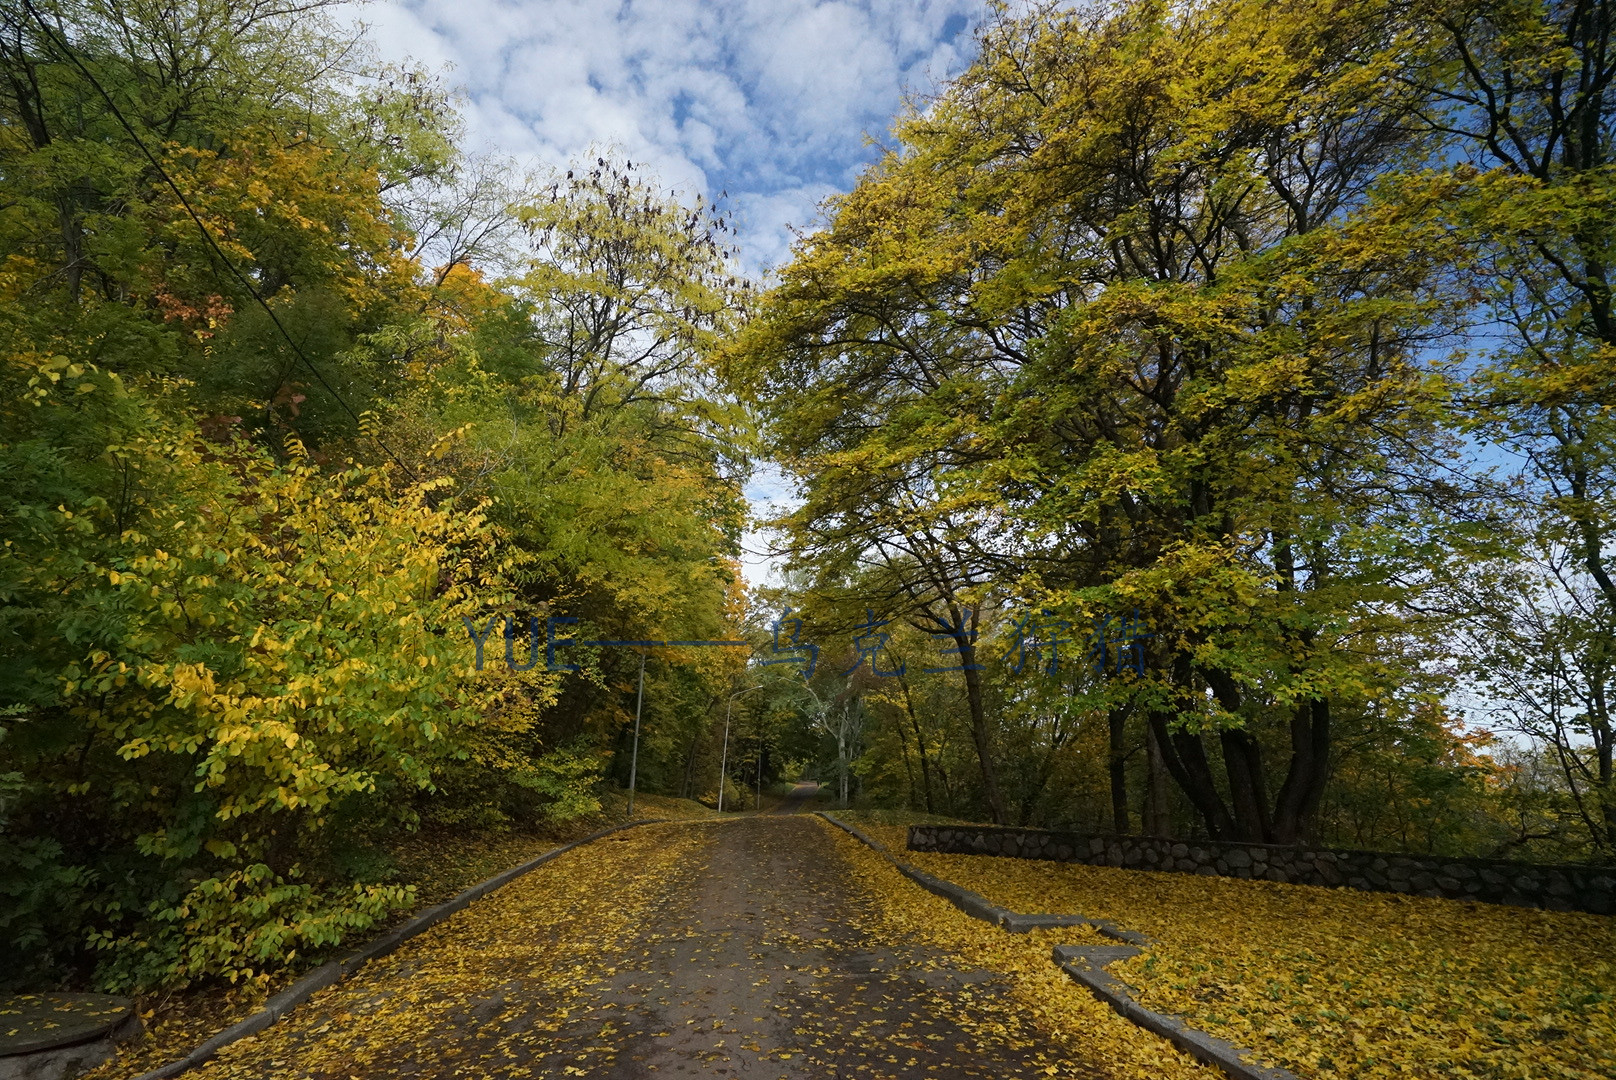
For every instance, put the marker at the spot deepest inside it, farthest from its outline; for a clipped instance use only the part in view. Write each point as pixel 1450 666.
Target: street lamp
pixel 634 761
pixel 723 761
pixel 758 805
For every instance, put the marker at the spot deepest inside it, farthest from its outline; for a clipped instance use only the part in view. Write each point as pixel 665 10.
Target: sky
pixel 768 105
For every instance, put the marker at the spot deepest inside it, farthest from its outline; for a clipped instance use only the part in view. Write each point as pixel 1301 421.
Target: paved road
pixel 733 949
pixel 800 798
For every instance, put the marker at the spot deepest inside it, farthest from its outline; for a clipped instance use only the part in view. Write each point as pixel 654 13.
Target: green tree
pixel 1122 326
pixel 264 451
pixel 1521 94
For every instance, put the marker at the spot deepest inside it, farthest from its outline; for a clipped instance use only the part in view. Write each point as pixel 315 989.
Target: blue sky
pixel 773 101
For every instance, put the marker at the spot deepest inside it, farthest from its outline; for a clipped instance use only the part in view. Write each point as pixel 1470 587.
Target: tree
pixel 1122 326
pixel 262 465
pixel 580 387
pixel 1541 650
pixel 1522 95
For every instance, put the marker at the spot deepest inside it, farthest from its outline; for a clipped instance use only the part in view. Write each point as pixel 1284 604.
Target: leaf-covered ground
pixel 438 862
pixel 1071 1017
pixel 766 947
pixel 1338 983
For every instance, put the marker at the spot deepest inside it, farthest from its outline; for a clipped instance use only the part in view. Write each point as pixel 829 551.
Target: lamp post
pixel 723 761
pixel 634 759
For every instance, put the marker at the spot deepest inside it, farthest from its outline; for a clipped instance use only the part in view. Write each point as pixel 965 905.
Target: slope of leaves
pixel 1337 983
pixel 437 863
pixel 1090 1030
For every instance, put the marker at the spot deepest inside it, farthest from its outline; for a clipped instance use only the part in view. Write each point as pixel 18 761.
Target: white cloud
pixel 767 100
pixel 769 493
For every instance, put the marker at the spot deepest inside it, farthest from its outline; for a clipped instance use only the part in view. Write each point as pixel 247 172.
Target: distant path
pixel 703 949
pixel 800 797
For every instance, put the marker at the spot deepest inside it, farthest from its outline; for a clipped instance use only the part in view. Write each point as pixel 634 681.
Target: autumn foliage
pixel 1283 330
pixel 288 395
pixel 1279 330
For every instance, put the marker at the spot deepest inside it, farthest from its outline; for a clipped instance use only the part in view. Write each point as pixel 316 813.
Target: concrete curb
pixel 979 907
pixel 1086 965
pixel 335 971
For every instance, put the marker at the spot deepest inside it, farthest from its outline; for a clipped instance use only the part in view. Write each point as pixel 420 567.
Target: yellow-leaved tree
pixel 264 649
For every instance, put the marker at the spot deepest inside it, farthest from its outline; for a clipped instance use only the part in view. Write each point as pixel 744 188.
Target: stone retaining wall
pixel 1490 881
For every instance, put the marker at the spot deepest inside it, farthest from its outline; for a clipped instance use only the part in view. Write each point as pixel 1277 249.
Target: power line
pixel 201 226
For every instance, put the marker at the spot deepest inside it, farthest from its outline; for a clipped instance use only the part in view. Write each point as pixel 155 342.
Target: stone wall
pixel 1490 881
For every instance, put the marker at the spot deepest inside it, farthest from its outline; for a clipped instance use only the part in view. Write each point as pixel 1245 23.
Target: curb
pixel 334 971
pixel 1086 965
pixel 979 907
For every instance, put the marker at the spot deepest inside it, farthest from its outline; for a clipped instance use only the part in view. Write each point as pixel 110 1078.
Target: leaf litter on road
pixel 760 948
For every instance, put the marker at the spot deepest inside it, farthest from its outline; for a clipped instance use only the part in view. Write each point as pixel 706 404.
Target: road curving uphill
pixel 758 947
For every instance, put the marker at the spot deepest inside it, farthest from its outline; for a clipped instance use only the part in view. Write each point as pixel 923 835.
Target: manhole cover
pixel 31 1022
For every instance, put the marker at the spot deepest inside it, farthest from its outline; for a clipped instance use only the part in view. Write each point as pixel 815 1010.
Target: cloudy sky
pixel 772 103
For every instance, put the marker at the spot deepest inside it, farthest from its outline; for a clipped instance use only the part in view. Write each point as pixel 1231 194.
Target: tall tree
pixel 1123 321
pixel 1522 94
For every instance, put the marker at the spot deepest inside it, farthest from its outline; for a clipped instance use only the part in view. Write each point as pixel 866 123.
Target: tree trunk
pixel 908 766
pixel 72 224
pixel 1157 816
pixel 841 763
pixel 690 767
pixel 1242 763
pixel 1607 784
pixel 979 729
pixel 1117 721
pixel 920 743
pixel 1299 796
pixel 1184 754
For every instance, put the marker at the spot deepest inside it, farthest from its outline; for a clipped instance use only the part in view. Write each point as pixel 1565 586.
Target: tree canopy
pixel 1201 319
pixel 1200 417
pixel 295 394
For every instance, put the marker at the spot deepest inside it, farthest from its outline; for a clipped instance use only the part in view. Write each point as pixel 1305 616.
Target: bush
pixel 239 925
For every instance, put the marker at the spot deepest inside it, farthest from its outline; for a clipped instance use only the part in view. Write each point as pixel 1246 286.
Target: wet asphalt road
pixel 742 949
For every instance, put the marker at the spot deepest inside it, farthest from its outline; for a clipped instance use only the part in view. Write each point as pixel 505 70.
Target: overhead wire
pixel 218 252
